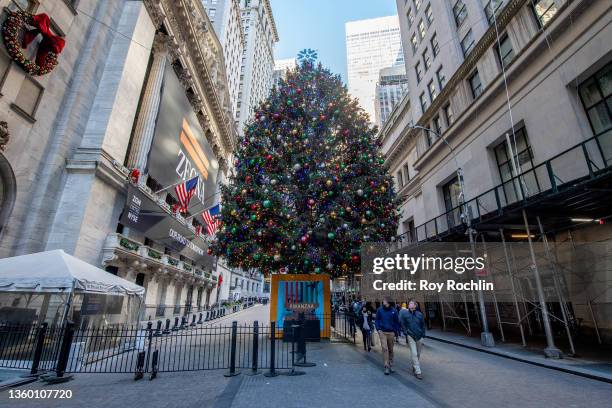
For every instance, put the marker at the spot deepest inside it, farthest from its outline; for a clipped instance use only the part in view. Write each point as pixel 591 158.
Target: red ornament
pixel 299 90
pixel 276 116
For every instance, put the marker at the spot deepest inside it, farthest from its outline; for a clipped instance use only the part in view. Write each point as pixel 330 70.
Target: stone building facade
pixel 522 114
pixel 76 133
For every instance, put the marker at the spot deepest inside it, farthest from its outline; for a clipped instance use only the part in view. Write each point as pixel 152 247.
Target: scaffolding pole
pixel 551 351
pixel 562 302
pixel 516 305
pixel 495 305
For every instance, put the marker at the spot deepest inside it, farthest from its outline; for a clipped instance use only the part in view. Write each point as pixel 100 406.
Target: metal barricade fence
pixel 137 349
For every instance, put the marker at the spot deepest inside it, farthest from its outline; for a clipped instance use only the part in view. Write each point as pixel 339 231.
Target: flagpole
pixel 200 212
pixel 170 186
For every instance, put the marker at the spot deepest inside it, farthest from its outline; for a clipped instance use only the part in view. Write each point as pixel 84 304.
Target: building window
pixel 451 192
pixel 523 157
pixel 28 98
pixel 544 11
pixel 422 29
pixel 212 12
pixel 400 179
pixel 414 42
pixel 491 10
pixel 441 78
pixel 437 124
pixel 24 5
pixel 596 96
pixel 448 114
pixel 505 53
pixel 460 12
pixel 426 60
pixel 433 92
pixel 467 44
pixel 410 16
pixel 423 100
pixel 417 70
pixel 475 84
pixel 435 47
pixel 429 14
pixel 417 4
pixel 406 169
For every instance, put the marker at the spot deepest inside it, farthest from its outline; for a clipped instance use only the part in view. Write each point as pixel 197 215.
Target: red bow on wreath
pixel 50 42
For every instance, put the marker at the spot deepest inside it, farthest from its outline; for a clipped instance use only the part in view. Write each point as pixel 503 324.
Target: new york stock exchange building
pixel 134 102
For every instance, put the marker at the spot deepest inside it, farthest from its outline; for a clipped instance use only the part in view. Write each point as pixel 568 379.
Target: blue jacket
pixel 412 323
pixel 387 319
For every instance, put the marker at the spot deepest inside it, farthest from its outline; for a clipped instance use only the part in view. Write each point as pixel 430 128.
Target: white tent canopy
pixel 56 271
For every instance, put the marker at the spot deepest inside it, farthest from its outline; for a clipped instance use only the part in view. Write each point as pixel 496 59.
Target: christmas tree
pixel 309 186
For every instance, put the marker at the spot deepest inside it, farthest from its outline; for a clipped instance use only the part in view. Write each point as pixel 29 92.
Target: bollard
pixel 40 342
pixel 167 329
pixel 232 368
pixel 158 331
pixel 200 319
pixel 272 372
pixel 176 324
pixel 183 323
pixel 62 361
pixel 193 321
pixel 207 318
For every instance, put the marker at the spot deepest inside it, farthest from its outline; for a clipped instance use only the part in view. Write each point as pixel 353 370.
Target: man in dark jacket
pixel 413 324
pixel 387 323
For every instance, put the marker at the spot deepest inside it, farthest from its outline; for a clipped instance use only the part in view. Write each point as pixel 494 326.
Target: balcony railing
pixel 583 161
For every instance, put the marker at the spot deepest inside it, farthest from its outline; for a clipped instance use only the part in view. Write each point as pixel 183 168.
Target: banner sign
pixel 180 150
pixel 145 215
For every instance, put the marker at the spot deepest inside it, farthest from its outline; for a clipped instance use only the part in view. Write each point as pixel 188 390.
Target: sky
pixel 319 24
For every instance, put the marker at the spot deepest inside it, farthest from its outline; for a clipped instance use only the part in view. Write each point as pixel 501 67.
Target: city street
pixel 345 375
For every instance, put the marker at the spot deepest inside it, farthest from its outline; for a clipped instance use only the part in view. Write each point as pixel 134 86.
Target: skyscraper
pixel 225 18
pixel 371 45
pixel 391 87
pixel 257 64
pixel 281 66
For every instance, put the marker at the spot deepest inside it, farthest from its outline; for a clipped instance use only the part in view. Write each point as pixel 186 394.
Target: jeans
pixel 367 339
pixel 387 341
pixel 415 353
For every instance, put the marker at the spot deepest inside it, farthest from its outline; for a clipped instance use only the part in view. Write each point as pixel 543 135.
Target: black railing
pixel 583 161
pixel 159 347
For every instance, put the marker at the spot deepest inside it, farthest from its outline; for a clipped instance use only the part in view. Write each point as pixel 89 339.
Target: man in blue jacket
pixel 413 326
pixel 387 323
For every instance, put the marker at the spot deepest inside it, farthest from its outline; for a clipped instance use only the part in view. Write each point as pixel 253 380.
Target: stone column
pixel 149 107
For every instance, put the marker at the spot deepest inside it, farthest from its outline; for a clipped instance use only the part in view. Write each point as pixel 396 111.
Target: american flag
pixel 211 220
pixel 184 192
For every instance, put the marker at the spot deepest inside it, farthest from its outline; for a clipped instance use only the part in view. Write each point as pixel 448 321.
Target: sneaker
pixel 391 369
pixel 419 376
pixel 386 370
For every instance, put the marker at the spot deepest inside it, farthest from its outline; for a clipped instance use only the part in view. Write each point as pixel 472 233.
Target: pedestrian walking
pixel 387 323
pixel 366 325
pixel 413 325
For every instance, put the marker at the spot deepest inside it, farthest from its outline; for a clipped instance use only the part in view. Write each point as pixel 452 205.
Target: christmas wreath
pixel 49 48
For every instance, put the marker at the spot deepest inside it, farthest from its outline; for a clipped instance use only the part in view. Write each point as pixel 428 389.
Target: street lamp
pixel 486 337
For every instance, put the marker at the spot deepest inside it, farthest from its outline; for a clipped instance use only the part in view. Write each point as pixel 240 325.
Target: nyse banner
pixel 144 215
pixel 179 150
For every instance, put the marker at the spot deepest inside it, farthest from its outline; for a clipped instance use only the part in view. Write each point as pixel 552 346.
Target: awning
pixel 56 271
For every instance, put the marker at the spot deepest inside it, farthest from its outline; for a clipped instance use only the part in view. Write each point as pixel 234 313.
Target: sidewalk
pixel 593 369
